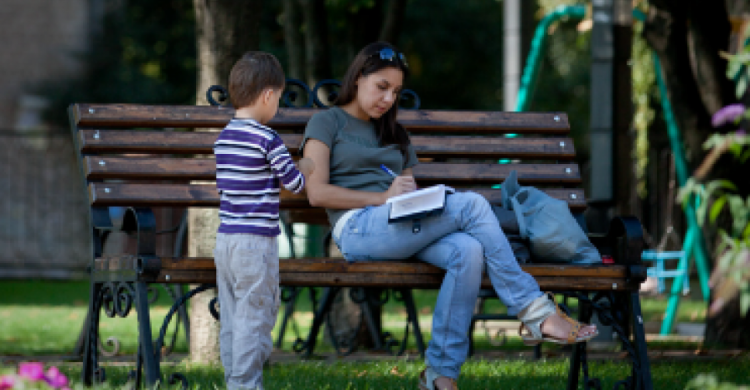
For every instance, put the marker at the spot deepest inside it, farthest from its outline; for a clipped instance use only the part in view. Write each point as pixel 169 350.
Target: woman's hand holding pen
pixel 400 185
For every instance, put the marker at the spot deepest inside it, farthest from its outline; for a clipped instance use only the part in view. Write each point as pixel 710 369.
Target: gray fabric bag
pixel 509 224
pixel 553 233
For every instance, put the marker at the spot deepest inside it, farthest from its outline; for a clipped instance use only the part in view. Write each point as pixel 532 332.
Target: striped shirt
pixel 251 160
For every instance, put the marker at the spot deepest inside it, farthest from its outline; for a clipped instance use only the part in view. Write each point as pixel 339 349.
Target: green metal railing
pixel 534 59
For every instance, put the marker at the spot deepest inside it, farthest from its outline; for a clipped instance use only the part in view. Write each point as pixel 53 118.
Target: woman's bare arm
pixel 321 193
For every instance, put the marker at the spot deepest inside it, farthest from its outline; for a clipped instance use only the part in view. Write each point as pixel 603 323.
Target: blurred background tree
pixel 142 54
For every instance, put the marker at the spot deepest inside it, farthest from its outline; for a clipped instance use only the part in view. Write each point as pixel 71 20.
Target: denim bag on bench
pixel 553 233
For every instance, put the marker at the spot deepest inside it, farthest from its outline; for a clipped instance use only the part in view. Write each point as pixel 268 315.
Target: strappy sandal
pixel 533 334
pixel 423 385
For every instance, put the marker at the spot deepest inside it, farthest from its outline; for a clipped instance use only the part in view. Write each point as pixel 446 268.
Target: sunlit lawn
pixel 402 374
pixel 45 318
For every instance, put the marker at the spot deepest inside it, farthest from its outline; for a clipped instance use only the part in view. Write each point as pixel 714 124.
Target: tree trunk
pixel 225 29
pixel 293 39
pixel 393 20
pixel 364 27
pixel 666 30
pixel 694 32
pixel 623 133
pixel 317 47
pixel 729 327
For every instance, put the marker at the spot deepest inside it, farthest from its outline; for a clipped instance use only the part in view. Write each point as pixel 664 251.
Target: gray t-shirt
pixel 356 154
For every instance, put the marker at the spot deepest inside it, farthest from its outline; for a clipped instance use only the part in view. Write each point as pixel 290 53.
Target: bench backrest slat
pixel 189 142
pixel 487 122
pixel 144 168
pixel 205 195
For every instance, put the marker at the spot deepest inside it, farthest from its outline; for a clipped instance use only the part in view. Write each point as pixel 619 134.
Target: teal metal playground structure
pixel 693 245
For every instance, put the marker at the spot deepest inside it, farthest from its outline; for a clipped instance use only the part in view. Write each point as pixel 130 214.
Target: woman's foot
pixel 558 327
pixel 440 383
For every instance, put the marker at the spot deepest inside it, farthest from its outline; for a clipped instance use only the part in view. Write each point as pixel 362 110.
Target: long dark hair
pixel 388 131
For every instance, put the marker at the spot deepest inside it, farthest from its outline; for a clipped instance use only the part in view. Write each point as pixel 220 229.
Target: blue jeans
pixel 464 239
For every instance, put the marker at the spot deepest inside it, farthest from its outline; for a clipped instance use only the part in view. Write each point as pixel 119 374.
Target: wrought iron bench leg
pixel 145 341
pixel 289 297
pixel 183 313
pixel 325 306
pixel 91 337
pixel 372 325
pixel 413 319
pixel 578 355
pixel 639 338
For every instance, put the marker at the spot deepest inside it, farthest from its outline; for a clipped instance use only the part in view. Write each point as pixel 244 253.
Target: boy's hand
pixel 306 166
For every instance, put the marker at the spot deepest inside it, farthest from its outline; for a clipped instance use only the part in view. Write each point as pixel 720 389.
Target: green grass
pixel 45 318
pixel 402 374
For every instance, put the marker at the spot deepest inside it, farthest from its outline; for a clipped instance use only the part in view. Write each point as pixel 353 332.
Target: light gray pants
pixel 247 276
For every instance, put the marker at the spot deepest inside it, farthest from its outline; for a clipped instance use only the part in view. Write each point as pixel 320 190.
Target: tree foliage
pixel 143 54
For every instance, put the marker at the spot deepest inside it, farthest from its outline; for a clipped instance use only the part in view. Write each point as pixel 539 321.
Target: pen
pixel 388 171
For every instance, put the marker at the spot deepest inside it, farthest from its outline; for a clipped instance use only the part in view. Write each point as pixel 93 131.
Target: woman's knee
pixel 468 253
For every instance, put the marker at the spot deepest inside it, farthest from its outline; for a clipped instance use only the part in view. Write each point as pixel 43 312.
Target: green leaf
pixel 725 260
pixel 735 149
pixel 725 238
pixel 714 140
pixel 739 214
pixel 718 184
pixel 744 301
pixel 686 191
pixel 700 213
pixel 741 86
pixel 733 67
pixel 722 247
pixel 716 208
pixel 746 233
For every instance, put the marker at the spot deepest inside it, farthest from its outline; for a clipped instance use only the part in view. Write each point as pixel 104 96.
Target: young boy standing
pixel 251 160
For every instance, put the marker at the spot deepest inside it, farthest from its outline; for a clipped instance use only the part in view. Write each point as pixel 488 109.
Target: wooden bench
pixel 142 157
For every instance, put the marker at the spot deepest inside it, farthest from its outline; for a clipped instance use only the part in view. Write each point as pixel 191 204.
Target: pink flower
pixel 727 114
pixel 6 382
pixel 55 378
pixel 33 371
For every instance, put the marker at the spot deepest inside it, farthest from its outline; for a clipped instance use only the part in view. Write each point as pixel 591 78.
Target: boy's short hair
pixel 255 72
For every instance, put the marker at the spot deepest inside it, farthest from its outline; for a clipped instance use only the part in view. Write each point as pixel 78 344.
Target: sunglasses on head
pixel 388 54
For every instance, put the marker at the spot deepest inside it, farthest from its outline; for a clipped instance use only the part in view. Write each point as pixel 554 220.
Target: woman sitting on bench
pixel 349 143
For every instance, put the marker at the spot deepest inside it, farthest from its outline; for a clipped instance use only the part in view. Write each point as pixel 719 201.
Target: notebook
pixel 418 204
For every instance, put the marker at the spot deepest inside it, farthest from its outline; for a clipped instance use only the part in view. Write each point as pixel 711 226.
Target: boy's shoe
pixel 440 383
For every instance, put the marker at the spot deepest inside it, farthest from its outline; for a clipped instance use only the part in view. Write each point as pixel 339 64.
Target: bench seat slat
pixel 147 168
pixel 205 195
pixel 188 142
pixel 338 272
pixel 300 279
pixel 484 122
pixel 413 266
